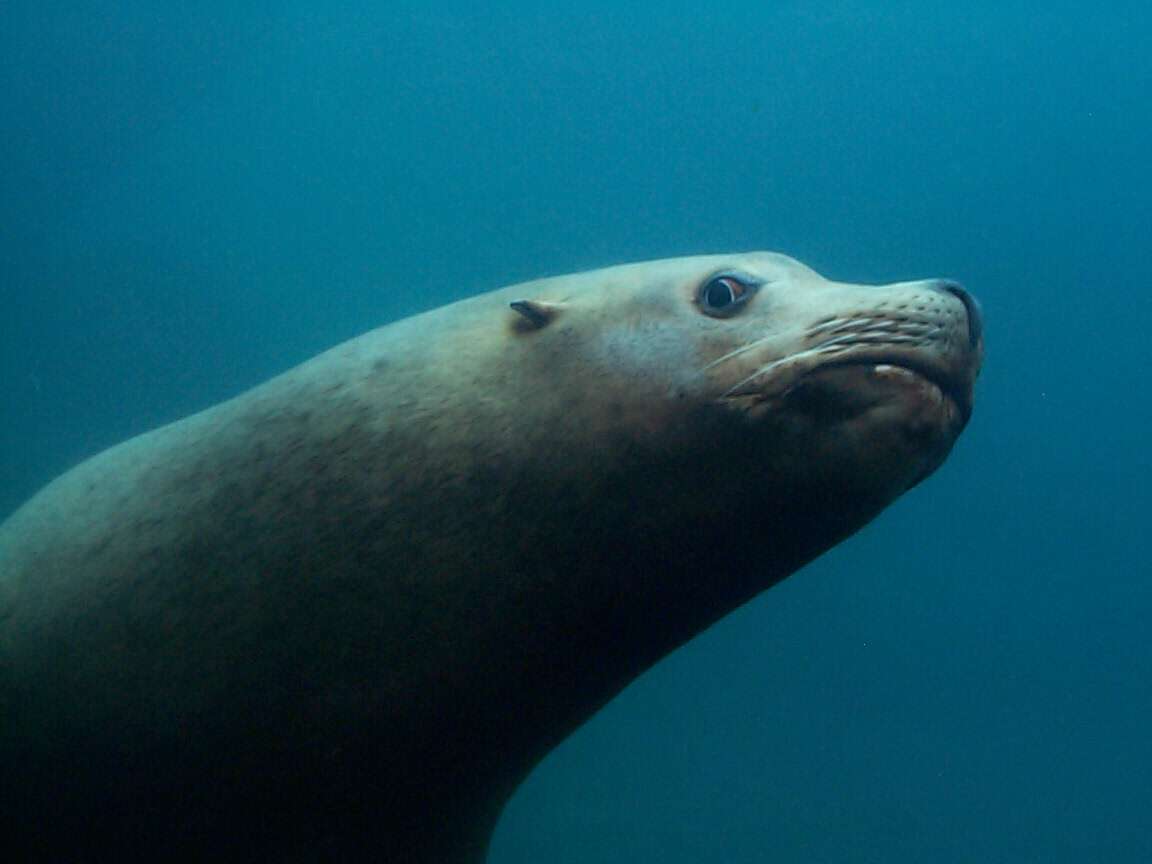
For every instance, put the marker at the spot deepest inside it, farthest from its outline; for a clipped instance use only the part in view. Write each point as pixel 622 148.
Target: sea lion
pixel 341 616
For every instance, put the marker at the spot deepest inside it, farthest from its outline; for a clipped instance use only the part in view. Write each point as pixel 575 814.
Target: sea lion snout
pixel 971 306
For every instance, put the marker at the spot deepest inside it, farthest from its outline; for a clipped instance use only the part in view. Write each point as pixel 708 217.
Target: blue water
pixel 196 196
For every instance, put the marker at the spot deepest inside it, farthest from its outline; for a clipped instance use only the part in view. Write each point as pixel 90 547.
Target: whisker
pixel 749 347
pixel 872 338
pixel 770 367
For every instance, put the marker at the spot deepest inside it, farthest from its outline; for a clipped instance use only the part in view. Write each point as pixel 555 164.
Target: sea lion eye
pixel 723 295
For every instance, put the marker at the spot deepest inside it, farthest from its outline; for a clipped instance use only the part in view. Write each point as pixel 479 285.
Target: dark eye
pixel 723 295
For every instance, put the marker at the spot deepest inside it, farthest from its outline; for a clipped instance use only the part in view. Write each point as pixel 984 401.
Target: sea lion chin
pixel 342 615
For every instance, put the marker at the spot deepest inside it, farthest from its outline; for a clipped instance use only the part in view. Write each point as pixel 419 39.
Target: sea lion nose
pixel 971 305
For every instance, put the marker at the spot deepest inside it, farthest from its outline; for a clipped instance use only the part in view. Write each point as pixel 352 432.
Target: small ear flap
pixel 535 314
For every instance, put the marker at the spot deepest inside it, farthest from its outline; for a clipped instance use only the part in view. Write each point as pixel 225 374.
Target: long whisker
pixel 790 360
pixel 760 373
pixel 749 347
pixel 734 388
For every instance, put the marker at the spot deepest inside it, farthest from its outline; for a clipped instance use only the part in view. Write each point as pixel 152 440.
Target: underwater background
pixel 194 197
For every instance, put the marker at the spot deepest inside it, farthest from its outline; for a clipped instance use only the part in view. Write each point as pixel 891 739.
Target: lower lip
pixel 900 374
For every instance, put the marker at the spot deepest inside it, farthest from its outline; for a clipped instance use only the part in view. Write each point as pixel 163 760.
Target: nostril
pixel 971 305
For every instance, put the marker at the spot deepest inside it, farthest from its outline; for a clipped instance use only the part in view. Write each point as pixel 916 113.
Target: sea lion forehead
pixel 665 276
pixel 764 266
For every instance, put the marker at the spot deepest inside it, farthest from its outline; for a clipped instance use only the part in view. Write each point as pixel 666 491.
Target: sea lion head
pixel 756 359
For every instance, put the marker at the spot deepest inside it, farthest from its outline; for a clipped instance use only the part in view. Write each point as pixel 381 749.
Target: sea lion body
pixel 345 613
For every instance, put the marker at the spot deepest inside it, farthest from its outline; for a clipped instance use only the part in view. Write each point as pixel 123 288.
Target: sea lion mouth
pixel 850 386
